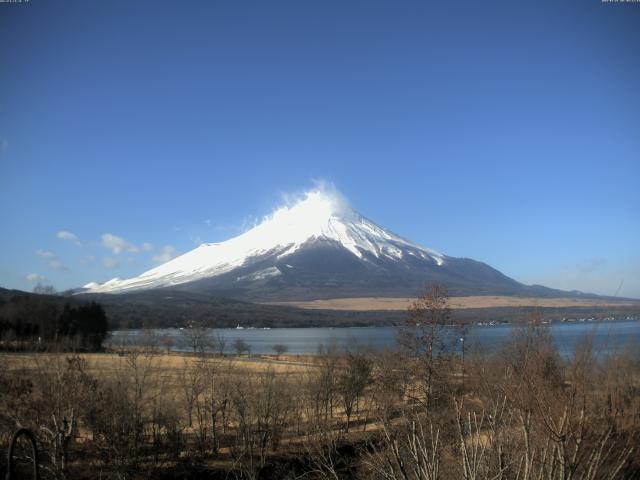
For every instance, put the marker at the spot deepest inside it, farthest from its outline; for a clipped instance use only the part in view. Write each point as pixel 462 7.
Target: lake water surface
pixel 608 337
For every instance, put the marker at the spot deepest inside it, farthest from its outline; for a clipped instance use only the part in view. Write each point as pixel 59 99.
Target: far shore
pixel 363 304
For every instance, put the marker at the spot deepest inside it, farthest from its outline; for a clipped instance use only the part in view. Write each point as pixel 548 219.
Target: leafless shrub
pixel 167 342
pixel 261 409
pixel 410 450
pixel 317 395
pixel 196 335
pixel 240 346
pixel 191 386
pixel 218 343
pixel 353 378
pixel 423 338
pixel 280 349
pixel 321 444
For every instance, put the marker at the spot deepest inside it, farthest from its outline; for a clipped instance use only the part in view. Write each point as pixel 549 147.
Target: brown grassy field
pixel 398 304
pixel 141 414
pixel 106 364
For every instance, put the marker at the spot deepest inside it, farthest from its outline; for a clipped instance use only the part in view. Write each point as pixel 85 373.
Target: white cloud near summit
pixel 110 262
pixel 118 244
pixel 58 265
pixel 36 277
pixel 168 252
pixel 69 236
pixel 52 260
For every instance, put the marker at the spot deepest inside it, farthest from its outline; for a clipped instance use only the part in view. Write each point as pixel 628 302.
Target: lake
pixel 609 336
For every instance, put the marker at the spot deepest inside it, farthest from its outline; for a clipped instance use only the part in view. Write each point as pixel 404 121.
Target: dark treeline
pixel 36 319
pixel 421 412
pixel 166 308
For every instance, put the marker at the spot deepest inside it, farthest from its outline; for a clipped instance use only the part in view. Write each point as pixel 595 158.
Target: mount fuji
pixel 318 248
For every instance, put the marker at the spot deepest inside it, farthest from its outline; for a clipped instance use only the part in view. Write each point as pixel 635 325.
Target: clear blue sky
pixel 508 132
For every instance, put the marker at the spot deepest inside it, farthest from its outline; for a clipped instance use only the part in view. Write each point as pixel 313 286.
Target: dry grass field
pixel 105 364
pixel 341 415
pixel 401 304
pixel 166 371
pixel 146 415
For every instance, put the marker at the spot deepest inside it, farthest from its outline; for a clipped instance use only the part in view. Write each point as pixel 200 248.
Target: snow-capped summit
pixel 318 247
pixel 321 218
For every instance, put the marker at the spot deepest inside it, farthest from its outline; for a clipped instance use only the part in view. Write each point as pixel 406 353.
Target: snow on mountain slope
pixel 319 215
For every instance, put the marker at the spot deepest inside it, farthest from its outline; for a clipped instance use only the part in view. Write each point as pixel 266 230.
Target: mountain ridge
pixel 320 248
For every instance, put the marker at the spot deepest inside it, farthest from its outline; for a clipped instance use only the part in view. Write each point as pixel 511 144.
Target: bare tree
pixel 191 386
pixel 240 346
pixel 67 388
pixel 196 335
pixel 322 445
pixel 321 383
pixel 167 342
pixel 280 349
pixel 353 378
pixel 422 336
pixel 216 393
pixel 150 342
pixel 218 343
pixel 410 450
pixel 45 289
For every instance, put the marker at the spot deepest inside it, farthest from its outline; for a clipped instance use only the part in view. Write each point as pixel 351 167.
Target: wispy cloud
pixel 58 265
pixel 248 223
pixel 110 262
pixel 118 244
pixel 88 259
pixel 146 247
pixel 69 237
pixel 168 252
pixel 53 260
pixel 36 277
